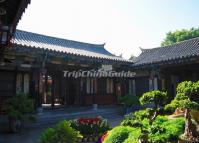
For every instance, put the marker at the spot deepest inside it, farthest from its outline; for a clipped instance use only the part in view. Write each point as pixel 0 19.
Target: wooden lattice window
pixel 91 85
pixel 26 83
pixel 109 85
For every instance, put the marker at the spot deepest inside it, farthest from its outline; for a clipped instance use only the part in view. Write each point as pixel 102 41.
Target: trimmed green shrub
pixel 162 130
pixel 157 97
pixel 122 134
pixel 141 114
pixel 133 136
pixel 128 120
pixel 166 130
pixel 61 133
pixel 135 119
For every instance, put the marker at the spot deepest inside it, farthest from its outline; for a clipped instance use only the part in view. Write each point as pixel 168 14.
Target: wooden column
pixel 114 89
pixel 53 91
pixel 64 91
pixel 45 87
pixel 40 88
pixel 34 86
pixel 15 81
pixel 61 97
pixel 83 92
pixel 61 90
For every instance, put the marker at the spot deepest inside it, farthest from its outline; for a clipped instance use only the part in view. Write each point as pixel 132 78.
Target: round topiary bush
pixel 123 134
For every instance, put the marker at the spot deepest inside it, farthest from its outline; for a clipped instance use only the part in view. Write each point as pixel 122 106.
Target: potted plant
pixel 19 108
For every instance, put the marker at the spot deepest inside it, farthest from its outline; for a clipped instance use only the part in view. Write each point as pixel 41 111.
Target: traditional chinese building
pixel 164 67
pixel 10 14
pixel 35 65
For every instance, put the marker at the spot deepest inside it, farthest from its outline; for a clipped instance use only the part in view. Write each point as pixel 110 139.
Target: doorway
pixel 72 94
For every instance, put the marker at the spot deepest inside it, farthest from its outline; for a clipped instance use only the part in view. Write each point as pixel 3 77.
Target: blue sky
pixel 124 25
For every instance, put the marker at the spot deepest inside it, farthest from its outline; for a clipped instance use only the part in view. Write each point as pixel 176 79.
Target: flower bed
pixel 90 128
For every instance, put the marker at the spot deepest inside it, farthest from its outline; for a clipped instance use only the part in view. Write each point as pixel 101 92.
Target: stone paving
pixel 31 131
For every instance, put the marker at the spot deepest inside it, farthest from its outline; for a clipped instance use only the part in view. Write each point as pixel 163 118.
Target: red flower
pixel 88 120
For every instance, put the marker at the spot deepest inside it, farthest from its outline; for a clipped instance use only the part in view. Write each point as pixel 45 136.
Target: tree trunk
pixel 190 129
pixel 153 117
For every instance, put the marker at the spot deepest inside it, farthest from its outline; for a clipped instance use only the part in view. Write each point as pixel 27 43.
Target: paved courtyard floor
pixel 31 131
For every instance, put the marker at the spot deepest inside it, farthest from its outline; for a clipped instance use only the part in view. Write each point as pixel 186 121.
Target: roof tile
pixel 34 40
pixel 179 50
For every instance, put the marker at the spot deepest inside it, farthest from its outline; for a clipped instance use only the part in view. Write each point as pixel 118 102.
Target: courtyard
pixel 99 71
pixel 31 131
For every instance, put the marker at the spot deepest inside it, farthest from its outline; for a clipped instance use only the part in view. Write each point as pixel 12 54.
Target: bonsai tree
pixel 156 97
pixel 186 98
pixel 18 108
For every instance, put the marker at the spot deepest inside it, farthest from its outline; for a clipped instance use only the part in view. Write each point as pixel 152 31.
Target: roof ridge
pixel 30 39
pixel 178 51
pixel 178 43
pixel 97 45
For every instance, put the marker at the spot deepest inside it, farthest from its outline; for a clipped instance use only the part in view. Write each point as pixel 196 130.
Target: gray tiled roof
pixel 33 40
pixel 181 50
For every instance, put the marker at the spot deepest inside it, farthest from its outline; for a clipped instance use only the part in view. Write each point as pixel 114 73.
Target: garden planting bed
pixel 90 128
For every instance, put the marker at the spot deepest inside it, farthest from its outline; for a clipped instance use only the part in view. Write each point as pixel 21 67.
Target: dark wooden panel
pixel 142 85
pixel 101 89
pixel 6 83
pixel 100 99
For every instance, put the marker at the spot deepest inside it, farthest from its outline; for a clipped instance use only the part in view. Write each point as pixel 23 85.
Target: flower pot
pixel 15 125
